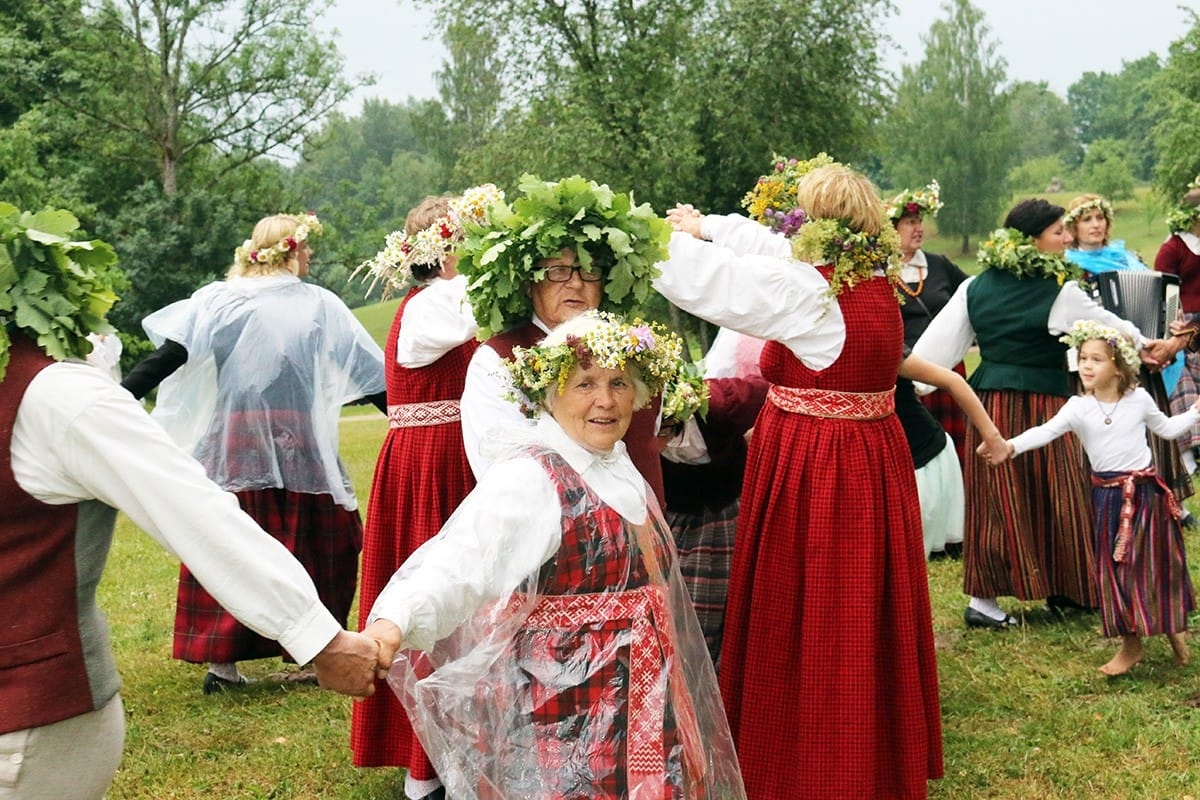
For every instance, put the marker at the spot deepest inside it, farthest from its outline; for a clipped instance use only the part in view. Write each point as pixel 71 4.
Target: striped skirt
pixel 1150 591
pixel 1029 524
pixel 705 546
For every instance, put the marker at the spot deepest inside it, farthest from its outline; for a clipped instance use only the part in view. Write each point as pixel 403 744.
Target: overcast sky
pixel 1042 40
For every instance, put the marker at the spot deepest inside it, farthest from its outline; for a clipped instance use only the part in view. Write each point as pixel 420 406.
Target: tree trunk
pixel 966 244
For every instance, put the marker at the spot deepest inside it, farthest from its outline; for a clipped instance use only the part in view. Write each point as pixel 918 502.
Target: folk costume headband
pixel 54 289
pixel 392 267
pixel 1085 330
pixel 606 230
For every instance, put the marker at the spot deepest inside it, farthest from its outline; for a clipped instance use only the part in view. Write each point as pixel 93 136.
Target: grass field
pixel 1025 713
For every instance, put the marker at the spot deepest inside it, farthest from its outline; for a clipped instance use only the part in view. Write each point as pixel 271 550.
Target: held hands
pixel 996 450
pixel 1159 352
pixel 348 664
pixel 684 217
pixel 387 636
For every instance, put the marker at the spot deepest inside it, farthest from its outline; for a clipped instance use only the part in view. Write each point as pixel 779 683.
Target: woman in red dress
pixel 422 473
pixel 828 670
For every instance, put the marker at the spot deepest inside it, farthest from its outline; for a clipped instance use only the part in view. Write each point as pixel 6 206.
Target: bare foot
pixel 1131 652
pixel 1179 648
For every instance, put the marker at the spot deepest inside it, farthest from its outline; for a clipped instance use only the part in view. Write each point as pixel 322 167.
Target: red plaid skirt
pixel 322 535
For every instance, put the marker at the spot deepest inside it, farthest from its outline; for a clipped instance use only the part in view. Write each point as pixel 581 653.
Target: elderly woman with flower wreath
pixel 1089 220
pixel 1028 529
pixel 254 372
pixel 550 648
pixel 422 472
pixel 561 248
pixel 828 670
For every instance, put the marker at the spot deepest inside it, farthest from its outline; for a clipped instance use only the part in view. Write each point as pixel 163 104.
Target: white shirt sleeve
pixel 744 236
pixel 1041 435
pixel 1171 428
pixel 501 534
pixel 779 300
pixel 484 407
pixel 436 320
pixel 949 334
pixel 1073 303
pixel 80 436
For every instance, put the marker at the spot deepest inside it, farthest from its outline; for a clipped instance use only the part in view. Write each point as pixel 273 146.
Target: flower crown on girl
pixel 1085 330
pixel 393 265
pixel 277 254
pixel 772 201
pixel 612 343
pixel 1099 203
pixel 920 202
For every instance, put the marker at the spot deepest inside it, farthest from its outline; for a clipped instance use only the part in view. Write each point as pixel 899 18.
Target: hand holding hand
pixel 387 636
pixel 684 217
pixel 995 450
pixel 1157 353
pixel 347 664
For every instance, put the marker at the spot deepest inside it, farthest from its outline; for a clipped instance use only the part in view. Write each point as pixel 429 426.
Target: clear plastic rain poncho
pixel 556 651
pixel 271 362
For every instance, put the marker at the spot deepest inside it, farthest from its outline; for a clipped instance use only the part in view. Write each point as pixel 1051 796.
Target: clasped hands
pixel 351 662
pixel 686 218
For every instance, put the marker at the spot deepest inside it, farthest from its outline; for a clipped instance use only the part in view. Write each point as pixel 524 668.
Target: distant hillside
pixel 377 318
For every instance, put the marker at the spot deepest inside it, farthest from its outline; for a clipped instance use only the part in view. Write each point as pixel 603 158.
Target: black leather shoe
pixel 1189 523
pixel 977 619
pixel 1061 604
pixel 214 683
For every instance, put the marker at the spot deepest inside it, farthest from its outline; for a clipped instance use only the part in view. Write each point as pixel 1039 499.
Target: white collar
pixel 1191 240
pixel 611 475
pixel 918 259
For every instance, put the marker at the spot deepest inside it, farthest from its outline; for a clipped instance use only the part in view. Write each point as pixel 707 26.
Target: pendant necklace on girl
pixel 1107 412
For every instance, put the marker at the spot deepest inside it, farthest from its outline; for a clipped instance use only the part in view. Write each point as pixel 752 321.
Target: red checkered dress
pixel 827 668
pixel 594 686
pixel 420 478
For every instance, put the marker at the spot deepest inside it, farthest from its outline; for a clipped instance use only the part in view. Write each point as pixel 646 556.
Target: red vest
pixel 639 439
pixel 44 675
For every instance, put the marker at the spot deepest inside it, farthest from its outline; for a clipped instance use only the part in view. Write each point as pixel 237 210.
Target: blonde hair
pixel 269 232
pixel 427 212
pixel 1088 199
pixel 838 192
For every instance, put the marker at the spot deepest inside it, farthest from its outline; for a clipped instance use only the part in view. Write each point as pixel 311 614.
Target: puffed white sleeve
pixel 744 236
pixel 436 320
pixel 80 436
pixel 500 535
pixel 483 407
pixel 1073 303
pixel 949 335
pixel 779 300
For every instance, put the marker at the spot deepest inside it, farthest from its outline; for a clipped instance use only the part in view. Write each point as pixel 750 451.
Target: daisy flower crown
pixel 1009 250
pixel 280 252
pixel 614 344
pixel 1181 219
pixel 1100 203
pixel 772 201
pixel 1085 330
pixel 685 396
pixel 920 202
pixel 392 267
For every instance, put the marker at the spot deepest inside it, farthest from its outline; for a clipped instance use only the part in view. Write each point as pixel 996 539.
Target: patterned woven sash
pixel 415 415
pixel 834 405
pixel 646 608
pixel 1127 481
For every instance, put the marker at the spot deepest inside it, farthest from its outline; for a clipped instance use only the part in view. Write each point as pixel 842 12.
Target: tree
pixel 1107 169
pixel 1045 122
pixel 950 121
pixel 184 78
pixel 1177 136
pixel 1119 106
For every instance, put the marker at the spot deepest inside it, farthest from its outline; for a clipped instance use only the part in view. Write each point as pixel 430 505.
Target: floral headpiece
pixel 1085 330
pixel 772 201
pixel 920 202
pixel 1100 203
pixel 854 256
pixel 685 396
pixel 393 265
pixel 54 290
pixel 281 251
pixel 612 344
pixel 605 229
pixel 1009 250
pixel 1184 216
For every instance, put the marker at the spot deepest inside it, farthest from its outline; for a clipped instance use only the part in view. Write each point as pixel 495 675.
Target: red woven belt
pixel 834 405
pixel 415 415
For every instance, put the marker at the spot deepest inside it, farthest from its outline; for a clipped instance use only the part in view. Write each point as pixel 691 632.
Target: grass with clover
pixel 1025 713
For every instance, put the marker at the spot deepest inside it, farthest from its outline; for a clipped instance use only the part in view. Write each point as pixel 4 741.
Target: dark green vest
pixel 1016 352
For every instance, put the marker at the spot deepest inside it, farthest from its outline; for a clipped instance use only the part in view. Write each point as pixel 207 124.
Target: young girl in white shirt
pixel 1141 567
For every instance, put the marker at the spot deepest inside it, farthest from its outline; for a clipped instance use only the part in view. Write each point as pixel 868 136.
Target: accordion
pixel 1148 299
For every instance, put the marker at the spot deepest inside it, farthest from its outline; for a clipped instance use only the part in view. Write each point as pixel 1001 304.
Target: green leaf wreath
pixel 53 289
pixel 1009 250
pixel 605 229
